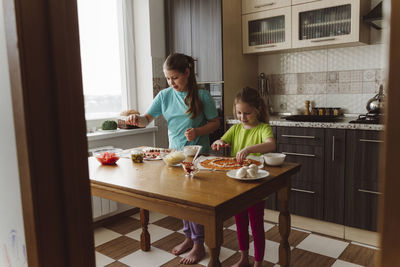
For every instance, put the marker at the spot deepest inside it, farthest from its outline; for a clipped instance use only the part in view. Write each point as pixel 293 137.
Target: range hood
pixel 375 17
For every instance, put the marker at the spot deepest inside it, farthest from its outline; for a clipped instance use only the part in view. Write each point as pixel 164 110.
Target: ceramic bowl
pixel 274 159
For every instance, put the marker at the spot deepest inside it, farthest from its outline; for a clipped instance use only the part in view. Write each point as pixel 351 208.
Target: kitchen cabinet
pixel 335 151
pixel 267 30
pixel 305 146
pixel 362 184
pixel 194 28
pixel 251 6
pixel 329 22
pixel 303 24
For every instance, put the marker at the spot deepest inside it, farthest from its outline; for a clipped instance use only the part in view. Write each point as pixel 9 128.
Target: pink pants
pixel 256 215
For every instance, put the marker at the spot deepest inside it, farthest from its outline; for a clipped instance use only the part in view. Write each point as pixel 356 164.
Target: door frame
pixel 48 106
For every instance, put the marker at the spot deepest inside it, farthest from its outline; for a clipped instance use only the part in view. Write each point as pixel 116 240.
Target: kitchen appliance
pixel 369 118
pixel 263 88
pixel 376 104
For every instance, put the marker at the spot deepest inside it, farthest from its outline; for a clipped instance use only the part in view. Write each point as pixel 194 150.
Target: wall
pixel 338 77
pixel 12 238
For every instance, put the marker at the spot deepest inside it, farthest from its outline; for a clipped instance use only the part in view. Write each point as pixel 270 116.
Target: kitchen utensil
pixel 376 104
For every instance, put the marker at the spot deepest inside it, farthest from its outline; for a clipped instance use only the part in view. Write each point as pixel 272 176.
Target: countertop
pixel 342 123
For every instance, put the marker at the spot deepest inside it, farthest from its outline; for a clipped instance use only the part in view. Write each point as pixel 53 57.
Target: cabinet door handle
pixel 265 46
pixel 369 192
pixel 299 154
pixel 333 148
pixel 323 40
pixel 264 5
pixel 303 191
pixel 196 67
pixel 298 136
pixel 371 141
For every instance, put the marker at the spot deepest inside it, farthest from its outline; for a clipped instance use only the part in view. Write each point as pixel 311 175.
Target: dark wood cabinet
pixel 335 145
pixel 305 146
pixel 361 178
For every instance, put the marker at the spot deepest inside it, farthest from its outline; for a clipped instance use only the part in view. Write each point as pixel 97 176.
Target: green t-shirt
pixel 239 138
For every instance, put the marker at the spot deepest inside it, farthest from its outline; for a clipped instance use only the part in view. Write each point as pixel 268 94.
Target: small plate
pixel 261 174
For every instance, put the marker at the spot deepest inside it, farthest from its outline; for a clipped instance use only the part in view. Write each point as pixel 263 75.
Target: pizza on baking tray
pixel 221 163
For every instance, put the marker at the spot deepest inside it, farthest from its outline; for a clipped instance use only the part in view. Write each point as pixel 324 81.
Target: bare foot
pixel 244 260
pixel 257 264
pixel 195 255
pixel 183 247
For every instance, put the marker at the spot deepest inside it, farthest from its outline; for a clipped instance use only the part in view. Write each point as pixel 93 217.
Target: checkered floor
pixel 117 245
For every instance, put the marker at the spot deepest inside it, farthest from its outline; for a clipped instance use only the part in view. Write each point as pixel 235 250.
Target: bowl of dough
pixel 250 171
pixel 274 159
pixel 173 158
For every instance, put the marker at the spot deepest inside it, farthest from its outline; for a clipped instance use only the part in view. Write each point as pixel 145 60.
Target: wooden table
pixel 208 199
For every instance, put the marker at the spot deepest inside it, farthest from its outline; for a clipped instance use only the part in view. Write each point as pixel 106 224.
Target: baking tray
pixel 313 118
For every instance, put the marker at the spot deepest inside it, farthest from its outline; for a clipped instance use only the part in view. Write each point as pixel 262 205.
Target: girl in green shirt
pixel 253 135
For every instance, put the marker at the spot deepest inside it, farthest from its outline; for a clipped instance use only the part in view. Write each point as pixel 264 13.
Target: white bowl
pixel 190 151
pixel 174 158
pixel 274 159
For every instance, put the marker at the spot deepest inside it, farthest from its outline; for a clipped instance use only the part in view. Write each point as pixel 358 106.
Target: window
pixel 106 40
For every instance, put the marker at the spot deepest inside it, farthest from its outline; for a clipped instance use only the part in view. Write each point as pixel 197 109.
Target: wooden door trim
pixel 46 86
pixel 389 216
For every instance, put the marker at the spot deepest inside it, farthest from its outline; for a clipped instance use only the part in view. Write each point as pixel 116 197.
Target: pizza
pixel 221 163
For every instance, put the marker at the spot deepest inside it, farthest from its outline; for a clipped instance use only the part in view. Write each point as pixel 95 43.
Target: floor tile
pixel 103 235
pixel 156 233
pixel 170 223
pixel 359 255
pixel 235 258
pixel 154 257
pixel 119 247
pixel 229 222
pixel 117 264
pixel 271 252
pixel 302 258
pixel 323 245
pixel 230 239
pixel 124 226
pixel 102 260
pixel 340 263
pixel 267 226
pixel 223 255
pixel 169 242
pixel 295 236
pixel 153 216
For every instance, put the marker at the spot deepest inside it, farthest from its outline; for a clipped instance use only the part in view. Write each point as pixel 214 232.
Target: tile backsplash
pixel 338 77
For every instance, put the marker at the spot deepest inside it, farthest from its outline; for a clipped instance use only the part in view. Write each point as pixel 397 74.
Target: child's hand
pixel 190 134
pixel 242 154
pixel 217 145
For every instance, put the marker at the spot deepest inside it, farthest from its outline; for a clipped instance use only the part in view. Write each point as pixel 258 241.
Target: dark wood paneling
pixel 300 136
pixel 46 87
pixel 361 178
pixel 335 146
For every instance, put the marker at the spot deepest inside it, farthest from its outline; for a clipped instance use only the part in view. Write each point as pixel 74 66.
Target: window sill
pixel 99 135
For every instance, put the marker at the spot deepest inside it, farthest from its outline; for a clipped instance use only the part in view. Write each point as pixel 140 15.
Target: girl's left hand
pixel 190 134
pixel 242 154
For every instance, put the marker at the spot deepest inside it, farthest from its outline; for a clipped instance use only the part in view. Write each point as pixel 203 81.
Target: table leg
pixel 144 236
pixel 214 239
pixel 284 226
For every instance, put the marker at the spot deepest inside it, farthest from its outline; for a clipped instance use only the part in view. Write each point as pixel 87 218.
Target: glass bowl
pixel 189 168
pixel 108 156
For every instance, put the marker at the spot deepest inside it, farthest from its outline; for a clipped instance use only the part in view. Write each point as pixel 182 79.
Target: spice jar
pixel 321 111
pixel 137 155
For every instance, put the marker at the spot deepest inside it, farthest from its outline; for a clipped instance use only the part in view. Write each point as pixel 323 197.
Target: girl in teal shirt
pixel 252 136
pixel 191 116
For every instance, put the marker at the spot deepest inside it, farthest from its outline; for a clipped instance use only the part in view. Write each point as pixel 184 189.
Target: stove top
pixel 369 118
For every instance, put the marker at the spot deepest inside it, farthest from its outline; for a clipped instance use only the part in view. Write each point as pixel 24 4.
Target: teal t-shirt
pixel 239 138
pixel 171 104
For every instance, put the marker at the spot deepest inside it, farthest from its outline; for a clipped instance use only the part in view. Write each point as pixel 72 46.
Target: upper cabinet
pixel 302 24
pixel 251 6
pixel 194 28
pixel 267 30
pixel 329 22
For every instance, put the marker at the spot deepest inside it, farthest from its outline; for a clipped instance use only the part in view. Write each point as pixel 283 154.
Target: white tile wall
pixel 337 77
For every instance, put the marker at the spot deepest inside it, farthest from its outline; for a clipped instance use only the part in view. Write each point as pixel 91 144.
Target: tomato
pixel 107 158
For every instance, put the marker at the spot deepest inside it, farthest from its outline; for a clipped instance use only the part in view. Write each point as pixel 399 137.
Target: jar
pixel 321 111
pixel 137 155
pixel 314 111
